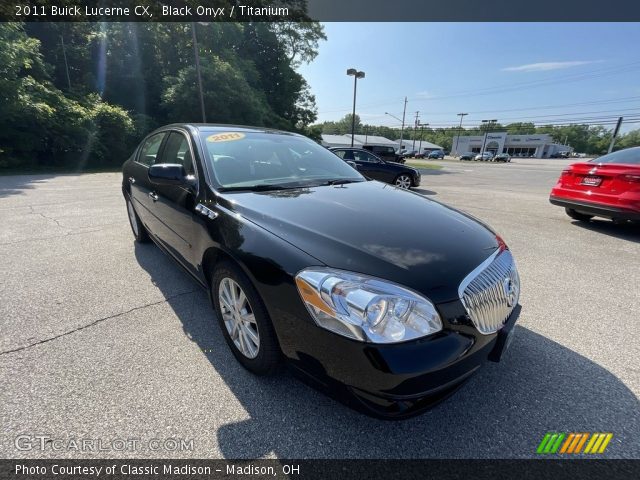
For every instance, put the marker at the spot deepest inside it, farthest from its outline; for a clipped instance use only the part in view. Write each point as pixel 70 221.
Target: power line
pixel 520 86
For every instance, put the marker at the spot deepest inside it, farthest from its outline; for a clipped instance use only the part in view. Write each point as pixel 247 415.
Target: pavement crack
pixel 44 216
pixel 96 322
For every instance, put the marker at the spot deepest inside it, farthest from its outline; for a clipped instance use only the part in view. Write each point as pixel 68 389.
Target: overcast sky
pixel 492 71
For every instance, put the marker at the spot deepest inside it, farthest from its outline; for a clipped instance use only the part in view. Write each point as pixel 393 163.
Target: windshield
pixel 629 156
pixel 264 160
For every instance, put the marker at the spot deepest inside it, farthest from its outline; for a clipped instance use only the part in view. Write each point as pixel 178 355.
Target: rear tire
pixel 254 342
pixel 139 231
pixel 582 217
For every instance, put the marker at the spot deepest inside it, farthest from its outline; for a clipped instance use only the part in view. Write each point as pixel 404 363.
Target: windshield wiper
pixel 263 187
pixel 340 181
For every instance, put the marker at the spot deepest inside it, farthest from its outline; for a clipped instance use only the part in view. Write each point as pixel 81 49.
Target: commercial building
pixel 422 147
pixel 534 145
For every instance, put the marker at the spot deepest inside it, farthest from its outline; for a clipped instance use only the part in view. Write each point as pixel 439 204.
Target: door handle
pixel 132 180
pixel 153 196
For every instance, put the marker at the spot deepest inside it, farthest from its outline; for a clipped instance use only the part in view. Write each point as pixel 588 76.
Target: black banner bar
pixel 320 10
pixel 168 469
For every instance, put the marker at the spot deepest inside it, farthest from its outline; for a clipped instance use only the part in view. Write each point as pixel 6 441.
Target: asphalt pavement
pixel 102 339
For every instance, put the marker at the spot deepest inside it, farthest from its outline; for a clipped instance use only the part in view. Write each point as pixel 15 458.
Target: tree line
pixel 590 139
pixel 81 95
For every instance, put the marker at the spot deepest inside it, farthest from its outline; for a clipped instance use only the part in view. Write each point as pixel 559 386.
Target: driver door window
pixel 177 150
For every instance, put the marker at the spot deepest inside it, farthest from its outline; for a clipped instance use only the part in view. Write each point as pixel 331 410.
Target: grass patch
pixel 423 165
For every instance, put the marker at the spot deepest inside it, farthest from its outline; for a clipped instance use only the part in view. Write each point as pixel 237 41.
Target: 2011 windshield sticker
pixel 225 137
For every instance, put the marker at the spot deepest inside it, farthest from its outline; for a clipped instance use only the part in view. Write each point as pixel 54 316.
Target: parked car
pixel 439 154
pixel 373 167
pixel 502 157
pixel 608 187
pixel 484 157
pixel 369 292
pixel 388 154
pixel 560 155
pixel 413 154
pixel 468 156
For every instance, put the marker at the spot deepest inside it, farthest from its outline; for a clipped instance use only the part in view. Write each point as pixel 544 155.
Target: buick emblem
pixel 510 289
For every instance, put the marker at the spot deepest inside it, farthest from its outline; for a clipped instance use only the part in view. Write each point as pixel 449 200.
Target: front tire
pixel 139 231
pixel 244 320
pixel 403 181
pixel 582 217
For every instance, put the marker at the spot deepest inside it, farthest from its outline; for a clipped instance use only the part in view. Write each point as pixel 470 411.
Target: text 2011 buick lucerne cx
pixel 379 296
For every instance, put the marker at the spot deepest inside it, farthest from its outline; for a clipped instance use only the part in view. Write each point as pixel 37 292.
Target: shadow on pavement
pixel 424 191
pixel 625 231
pixel 503 411
pixel 16 184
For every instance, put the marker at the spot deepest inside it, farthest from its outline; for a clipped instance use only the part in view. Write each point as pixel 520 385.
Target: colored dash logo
pixel 574 443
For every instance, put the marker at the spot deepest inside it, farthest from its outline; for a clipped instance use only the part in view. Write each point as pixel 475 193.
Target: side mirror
pixel 169 174
pixel 353 164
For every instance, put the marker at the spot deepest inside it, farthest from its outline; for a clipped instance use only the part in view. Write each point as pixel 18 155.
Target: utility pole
pixel 615 134
pixel 461 115
pixel 422 125
pixel 415 126
pixel 197 55
pixel 404 112
pixel 66 65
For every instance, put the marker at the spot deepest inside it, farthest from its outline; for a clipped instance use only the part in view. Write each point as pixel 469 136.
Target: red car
pixel 608 187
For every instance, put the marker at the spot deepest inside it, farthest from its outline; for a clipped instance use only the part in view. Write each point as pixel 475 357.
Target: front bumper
pixel 596 209
pixel 397 381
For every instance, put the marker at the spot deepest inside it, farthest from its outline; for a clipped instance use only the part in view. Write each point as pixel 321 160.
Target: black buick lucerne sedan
pixel 379 296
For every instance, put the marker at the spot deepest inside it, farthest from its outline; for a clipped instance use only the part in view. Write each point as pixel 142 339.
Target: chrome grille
pixel 491 291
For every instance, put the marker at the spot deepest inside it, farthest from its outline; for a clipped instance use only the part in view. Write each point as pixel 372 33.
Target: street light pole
pixel 356 75
pixel 197 55
pixel 461 115
pixel 401 128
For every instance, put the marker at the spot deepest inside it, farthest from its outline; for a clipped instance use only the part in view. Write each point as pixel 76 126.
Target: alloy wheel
pixel 403 181
pixel 238 318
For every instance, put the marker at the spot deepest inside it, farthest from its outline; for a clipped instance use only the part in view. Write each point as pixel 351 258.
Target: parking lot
pixel 104 339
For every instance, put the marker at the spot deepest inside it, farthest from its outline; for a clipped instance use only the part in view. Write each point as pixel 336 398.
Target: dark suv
pixel 385 153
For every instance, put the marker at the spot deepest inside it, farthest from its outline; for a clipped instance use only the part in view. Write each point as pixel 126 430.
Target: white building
pixel 358 141
pixel 423 147
pixel 338 141
pixel 534 145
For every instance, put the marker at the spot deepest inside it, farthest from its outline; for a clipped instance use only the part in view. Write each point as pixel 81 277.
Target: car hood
pixel 375 229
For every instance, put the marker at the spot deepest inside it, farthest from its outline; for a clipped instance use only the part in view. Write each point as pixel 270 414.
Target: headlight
pixel 366 308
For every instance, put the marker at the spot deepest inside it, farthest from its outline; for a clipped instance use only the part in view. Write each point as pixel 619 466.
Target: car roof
pixel 349 148
pixel 222 127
